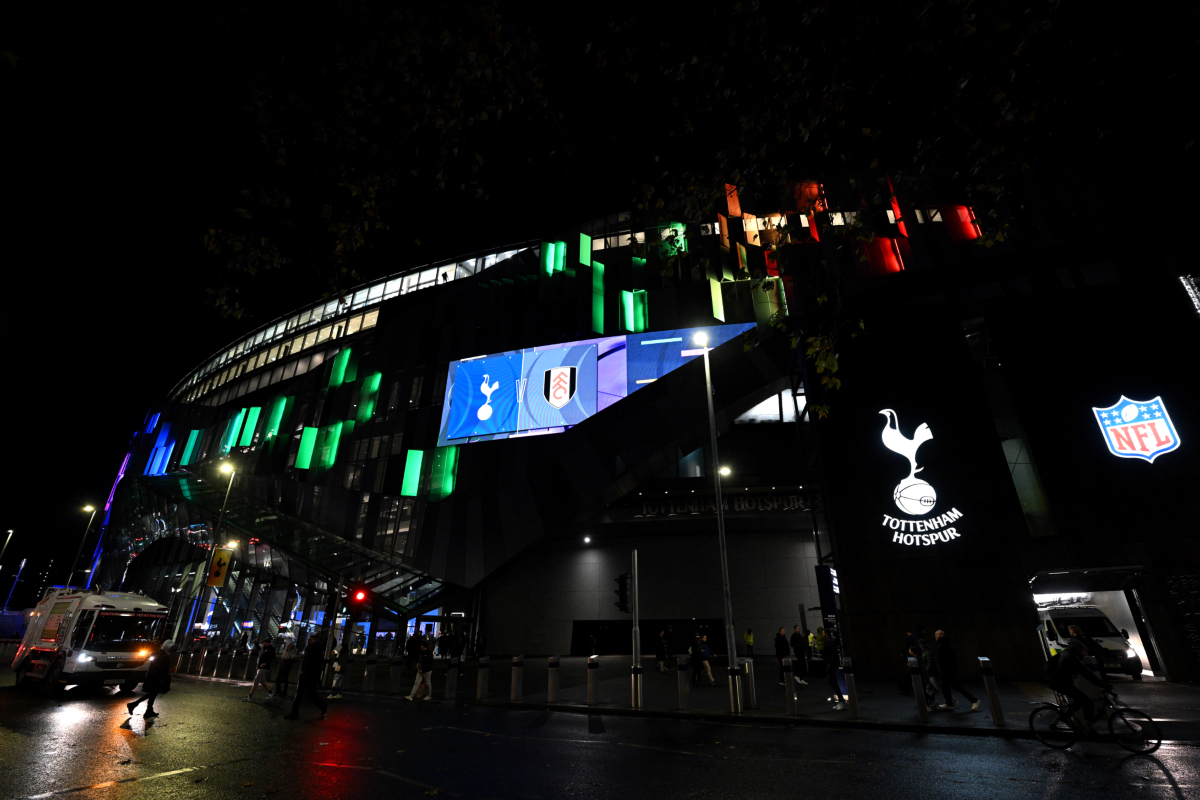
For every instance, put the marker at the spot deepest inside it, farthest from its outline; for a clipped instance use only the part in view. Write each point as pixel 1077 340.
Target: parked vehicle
pixel 1119 653
pixel 80 637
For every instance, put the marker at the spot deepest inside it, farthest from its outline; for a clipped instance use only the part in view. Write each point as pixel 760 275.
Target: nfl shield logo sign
pixel 558 385
pixel 1137 428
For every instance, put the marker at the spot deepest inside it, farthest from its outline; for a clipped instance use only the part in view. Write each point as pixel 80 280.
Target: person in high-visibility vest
pixel 748 638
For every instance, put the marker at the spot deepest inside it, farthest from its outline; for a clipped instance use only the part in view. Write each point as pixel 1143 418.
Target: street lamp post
pixel 735 698
pixel 5 548
pixel 228 469
pixel 75 563
pixel 16 579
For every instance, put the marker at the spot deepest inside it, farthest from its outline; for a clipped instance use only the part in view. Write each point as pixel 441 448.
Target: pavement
pixel 207 743
pixel 881 705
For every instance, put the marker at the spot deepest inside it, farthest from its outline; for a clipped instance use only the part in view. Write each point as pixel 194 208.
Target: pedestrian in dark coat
pixel 310 679
pixel 661 651
pixel 946 659
pixel 156 682
pixel 782 651
pixel 799 643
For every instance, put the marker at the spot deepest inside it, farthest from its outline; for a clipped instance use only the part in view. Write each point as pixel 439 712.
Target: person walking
pixel 782 651
pixel 748 638
pixel 946 659
pixel 697 660
pixel 310 679
pixel 339 663
pixel 706 657
pixel 424 670
pixel 266 656
pixel 817 642
pixel 799 643
pixel 156 682
pixel 830 654
pixel 283 676
pixel 923 653
pixel 661 651
pixel 412 649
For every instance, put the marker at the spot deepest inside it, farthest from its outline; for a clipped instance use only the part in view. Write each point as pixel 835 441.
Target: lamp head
pixel 701 338
pixel 227 468
pixel 88 508
pixel 724 470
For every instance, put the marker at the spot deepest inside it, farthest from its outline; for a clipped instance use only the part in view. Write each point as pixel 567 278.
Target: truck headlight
pixel 84 657
pixel 1131 653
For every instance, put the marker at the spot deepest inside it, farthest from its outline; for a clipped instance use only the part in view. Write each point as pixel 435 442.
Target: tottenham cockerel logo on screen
pixel 914 496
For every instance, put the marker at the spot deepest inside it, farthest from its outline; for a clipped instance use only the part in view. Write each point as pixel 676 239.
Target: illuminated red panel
pixel 896 209
pixel 772 263
pixel 883 257
pixel 960 222
pixel 724 223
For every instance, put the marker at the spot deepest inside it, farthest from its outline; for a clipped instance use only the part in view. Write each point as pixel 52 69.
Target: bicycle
pixel 1058 728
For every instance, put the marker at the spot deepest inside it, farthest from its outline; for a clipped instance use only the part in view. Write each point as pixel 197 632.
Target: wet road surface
pixel 210 744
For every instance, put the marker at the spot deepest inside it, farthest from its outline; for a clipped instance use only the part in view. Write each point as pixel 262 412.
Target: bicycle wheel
pixel 1134 730
pixel 1052 728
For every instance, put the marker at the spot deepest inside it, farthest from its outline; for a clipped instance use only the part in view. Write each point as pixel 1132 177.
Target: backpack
pixel 1053 676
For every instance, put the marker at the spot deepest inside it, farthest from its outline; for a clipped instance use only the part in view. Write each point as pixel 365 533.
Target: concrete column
pixel 552 680
pixel 482 675
pixel 993 693
pixel 518 678
pixel 593 679
pixel 918 689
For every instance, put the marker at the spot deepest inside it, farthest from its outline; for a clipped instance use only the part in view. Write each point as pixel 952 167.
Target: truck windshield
pixel 115 632
pixel 1091 626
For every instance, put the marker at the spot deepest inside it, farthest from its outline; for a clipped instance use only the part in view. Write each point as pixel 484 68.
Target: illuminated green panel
pixel 680 242
pixel 743 259
pixel 548 257
pixel 634 312
pixel 369 397
pixel 332 436
pixel 231 432
pixel 412 473
pixel 443 472
pixel 718 300
pixel 275 417
pixel 585 249
pixel 308 441
pixel 251 422
pixel 191 446
pixel 338 374
pixel 597 297
pixel 560 256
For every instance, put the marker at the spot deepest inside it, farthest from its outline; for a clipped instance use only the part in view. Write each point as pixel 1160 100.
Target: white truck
pixel 79 637
pixel 1119 655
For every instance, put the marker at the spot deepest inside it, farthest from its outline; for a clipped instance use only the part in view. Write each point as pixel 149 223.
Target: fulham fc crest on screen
pixel 1137 428
pixel 558 385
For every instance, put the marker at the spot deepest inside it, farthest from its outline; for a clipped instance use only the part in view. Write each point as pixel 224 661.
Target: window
pixel 392 288
pixel 375 293
pixel 362 516
pixel 323 334
pixel 289 371
pixel 309 340
pixel 370 318
pixel 302 366
pixel 394 398
pixel 354 325
pixel 414 398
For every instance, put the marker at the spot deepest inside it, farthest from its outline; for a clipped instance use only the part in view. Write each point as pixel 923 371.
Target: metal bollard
pixel 989 683
pixel 918 689
pixel 397 674
pixel 229 669
pixel 552 680
pixel 789 686
pixel 683 666
pixel 368 684
pixel 635 686
pixel 518 678
pixel 593 680
pixel 851 691
pixel 750 695
pixel 452 679
pixel 481 677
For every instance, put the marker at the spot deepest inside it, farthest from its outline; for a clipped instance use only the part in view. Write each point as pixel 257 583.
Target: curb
pixel 723 719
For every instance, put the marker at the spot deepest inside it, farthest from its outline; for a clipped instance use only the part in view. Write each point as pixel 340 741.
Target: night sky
pixel 125 138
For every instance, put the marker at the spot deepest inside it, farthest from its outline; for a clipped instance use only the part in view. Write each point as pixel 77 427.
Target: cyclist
pixel 1061 672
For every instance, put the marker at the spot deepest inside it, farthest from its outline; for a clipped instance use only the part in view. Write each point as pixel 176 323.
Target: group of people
pixel 939 668
pixel 806 648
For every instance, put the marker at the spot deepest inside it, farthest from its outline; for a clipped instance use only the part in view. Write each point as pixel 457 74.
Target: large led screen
pixel 548 389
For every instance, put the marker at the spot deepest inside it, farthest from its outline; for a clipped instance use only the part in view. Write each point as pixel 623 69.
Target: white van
pixel 80 637
pixel 1119 653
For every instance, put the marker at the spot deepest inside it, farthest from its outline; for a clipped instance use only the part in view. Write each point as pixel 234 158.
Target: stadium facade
pixel 482 443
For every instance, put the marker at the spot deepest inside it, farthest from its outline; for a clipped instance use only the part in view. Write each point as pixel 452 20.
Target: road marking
pixel 155 776
pixel 660 749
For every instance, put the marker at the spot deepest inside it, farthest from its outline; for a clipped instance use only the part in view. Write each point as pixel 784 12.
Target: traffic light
pixel 622 592
pixel 357 596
